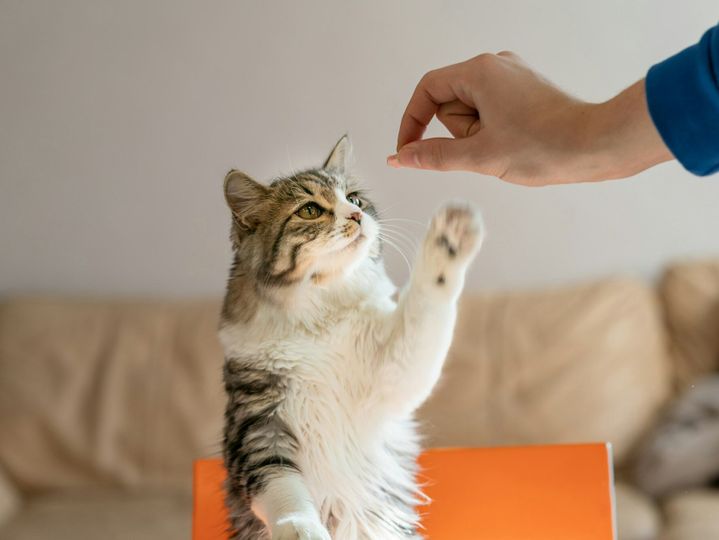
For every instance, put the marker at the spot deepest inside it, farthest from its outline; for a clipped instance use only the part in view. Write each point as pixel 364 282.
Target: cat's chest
pixel 330 351
pixel 329 381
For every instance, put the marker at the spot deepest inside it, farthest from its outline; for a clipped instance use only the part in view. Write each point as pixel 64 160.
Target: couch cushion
pixel 583 363
pixel 637 515
pixel 693 515
pixel 9 498
pixel 690 294
pixel 102 514
pixel 108 393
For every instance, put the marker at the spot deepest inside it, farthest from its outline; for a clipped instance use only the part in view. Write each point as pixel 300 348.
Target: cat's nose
pixel 356 216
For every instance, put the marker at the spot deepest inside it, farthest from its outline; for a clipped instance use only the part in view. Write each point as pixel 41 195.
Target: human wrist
pixel 621 139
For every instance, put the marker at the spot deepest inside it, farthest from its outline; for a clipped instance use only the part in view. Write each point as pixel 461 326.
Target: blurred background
pixel 118 121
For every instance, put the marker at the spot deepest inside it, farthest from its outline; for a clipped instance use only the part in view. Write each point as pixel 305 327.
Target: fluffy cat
pixel 683 449
pixel 323 369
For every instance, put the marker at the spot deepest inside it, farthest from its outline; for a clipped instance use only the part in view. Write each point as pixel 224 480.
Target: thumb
pixel 440 154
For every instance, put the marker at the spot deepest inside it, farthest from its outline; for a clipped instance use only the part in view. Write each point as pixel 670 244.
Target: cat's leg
pixel 420 329
pixel 260 453
pixel 245 525
pixel 286 506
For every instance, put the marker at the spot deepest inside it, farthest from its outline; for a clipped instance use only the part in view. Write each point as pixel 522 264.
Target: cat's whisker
pixel 410 237
pixel 401 235
pixel 401 253
pixel 293 171
pixel 391 223
pixel 390 206
pixel 396 227
pixel 407 220
pixel 400 239
pixel 398 249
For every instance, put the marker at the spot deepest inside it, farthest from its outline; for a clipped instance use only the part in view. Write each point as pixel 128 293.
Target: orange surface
pixel 511 493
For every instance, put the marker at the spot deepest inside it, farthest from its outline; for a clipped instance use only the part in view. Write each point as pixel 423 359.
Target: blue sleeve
pixel 683 99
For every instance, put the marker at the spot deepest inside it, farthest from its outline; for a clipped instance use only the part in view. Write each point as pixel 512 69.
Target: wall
pixel 118 121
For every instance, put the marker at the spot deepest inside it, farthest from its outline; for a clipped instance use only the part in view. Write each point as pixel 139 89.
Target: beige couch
pixel 104 404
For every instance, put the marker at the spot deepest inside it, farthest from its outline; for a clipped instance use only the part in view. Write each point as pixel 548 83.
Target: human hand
pixel 510 122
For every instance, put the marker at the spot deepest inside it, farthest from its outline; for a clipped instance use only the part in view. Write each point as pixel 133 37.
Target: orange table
pixel 562 492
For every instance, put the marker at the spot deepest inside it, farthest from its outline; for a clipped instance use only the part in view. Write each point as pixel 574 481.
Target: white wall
pixel 118 121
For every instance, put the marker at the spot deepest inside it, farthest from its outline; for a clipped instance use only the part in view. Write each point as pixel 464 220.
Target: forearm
pixel 420 330
pixel 412 356
pixel 673 113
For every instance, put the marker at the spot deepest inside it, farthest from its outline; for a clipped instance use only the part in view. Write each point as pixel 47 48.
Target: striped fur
pixel 323 369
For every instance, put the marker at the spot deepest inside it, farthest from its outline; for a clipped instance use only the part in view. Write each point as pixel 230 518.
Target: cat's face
pixel 315 224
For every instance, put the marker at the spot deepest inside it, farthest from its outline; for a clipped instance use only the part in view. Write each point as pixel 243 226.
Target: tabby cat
pixel 323 369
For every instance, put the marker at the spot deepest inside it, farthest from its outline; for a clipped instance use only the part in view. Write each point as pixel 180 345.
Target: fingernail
pixel 393 161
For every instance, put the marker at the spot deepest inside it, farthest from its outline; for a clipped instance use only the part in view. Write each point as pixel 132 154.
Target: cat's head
pixel 313 226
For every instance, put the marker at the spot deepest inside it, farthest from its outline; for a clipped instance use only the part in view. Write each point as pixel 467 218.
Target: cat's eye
pixel 310 211
pixel 354 199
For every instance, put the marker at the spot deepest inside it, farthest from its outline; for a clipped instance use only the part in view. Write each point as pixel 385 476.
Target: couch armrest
pixel 9 498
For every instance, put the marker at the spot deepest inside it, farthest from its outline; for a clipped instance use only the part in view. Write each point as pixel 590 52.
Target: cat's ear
pixel 340 157
pixel 246 198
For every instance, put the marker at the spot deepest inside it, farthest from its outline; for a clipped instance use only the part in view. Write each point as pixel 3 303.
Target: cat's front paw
pixel 455 234
pixel 299 528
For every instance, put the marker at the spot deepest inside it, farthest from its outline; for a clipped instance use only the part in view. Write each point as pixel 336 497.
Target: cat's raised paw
pixel 456 232
pixel 299 528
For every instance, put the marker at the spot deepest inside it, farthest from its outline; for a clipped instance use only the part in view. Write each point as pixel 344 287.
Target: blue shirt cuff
pixel 683 99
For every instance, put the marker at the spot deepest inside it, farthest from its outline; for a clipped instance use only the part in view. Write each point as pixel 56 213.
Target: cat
pixel 682 451
pixel 323 369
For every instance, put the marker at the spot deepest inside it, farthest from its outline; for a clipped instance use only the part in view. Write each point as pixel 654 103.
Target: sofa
pixel 105 403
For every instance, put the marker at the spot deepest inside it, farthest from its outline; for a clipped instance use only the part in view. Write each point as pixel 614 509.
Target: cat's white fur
pixel 368 362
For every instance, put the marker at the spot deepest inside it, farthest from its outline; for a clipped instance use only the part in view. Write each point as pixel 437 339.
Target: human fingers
pixel 461 120
pixel 435 88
